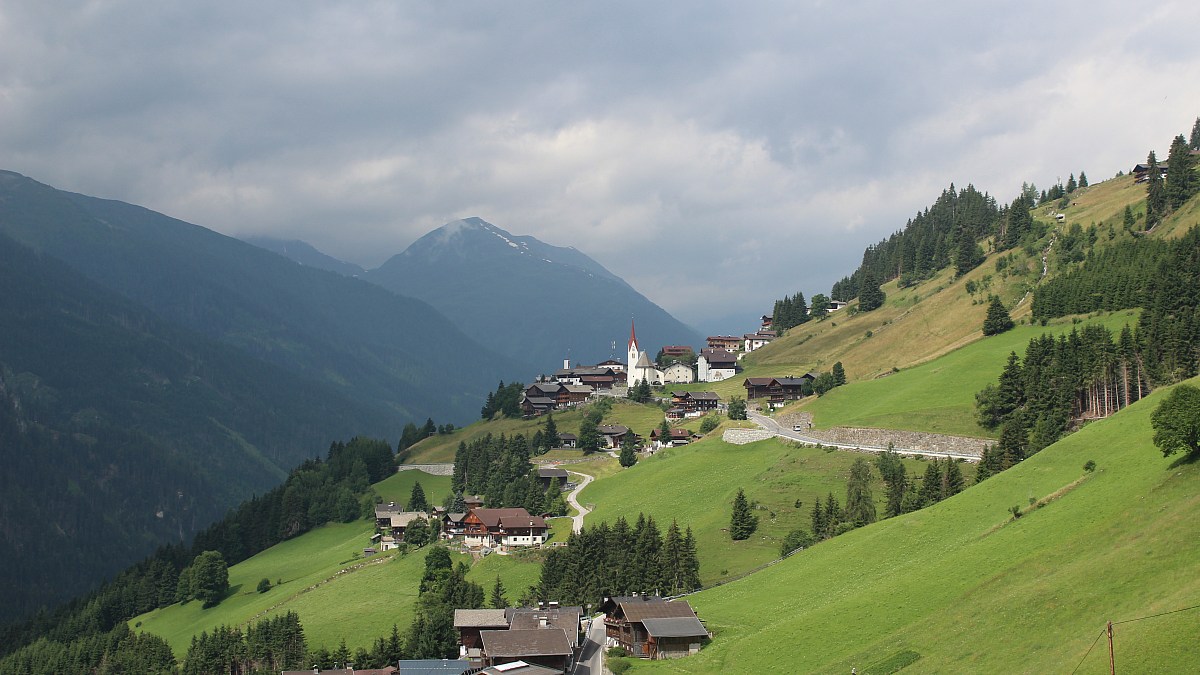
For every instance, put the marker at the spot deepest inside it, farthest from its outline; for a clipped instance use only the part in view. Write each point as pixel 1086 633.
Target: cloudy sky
pixel 716 155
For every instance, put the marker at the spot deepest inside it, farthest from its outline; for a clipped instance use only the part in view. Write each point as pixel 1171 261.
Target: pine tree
pixel 498 599
pixel 671 562
pixel 589 436
pixel 628 455
pixel 819 523
pixel 970 255
pixel 870 295
pixel 1071 184
pixel 997 320
pixel 1194 143
pixel 1083 181
pixel 1156 198
pixel 691 562
pixel 839 374
pixel 417 500
pixel 742 522
pixel 860 505
pixel 1129 220
pixel 550 432
pixel 1181 179
pixel 952 479
pixel 833 516
pixel 931 484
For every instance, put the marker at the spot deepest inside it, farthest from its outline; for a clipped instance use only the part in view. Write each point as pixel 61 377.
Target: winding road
pixel 577 520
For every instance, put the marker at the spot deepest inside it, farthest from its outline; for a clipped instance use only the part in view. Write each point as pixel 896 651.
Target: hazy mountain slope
pixel 119 431
pixel 526 299
pixel 376 346
pixel 304 253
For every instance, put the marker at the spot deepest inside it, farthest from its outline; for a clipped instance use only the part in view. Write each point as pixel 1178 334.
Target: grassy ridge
pixel 970 590
pixel 696 484
pixel 938 396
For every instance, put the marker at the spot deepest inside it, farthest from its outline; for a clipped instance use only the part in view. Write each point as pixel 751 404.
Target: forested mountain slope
pixel 119 431
pixel 377 347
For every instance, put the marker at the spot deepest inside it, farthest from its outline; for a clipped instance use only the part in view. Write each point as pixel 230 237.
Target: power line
pixel 1089 651
pixel 1173 611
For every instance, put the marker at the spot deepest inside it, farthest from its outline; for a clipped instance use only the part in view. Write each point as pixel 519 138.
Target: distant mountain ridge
pixel 304 253
pixel 525 298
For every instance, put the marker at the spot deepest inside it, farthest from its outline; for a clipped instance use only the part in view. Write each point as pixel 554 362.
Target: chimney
pixel 541 622
pixel 566 364
pixel 553 604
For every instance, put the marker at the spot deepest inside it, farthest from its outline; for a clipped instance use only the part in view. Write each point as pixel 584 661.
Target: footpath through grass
pixel 965 588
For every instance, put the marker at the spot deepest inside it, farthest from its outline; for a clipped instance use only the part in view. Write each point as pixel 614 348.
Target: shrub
pixel 709 423
pixel 1089 466
pixel 619 666
pixel 1015 511
pixel 264 585
pixel 615 652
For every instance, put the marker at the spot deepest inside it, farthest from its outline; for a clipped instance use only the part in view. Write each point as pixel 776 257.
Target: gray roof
pixel 565 618
pixel 525 642
pixel 612 429
pixel 539 400
pixel 520 668
pixel 684 626
pixel 479 618
pixel 705 396
pixel 430 667
pixel 551 472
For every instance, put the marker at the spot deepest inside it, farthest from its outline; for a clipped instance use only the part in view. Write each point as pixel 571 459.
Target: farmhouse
pixel 652 628
pixel 677 437
pixel 678 373
pixel 470 622
pixel 752 341
pixel 612 434
pixel 503 528
pixel 547 474
pixel 777 389
pixel 695 403
pixel 728 342
pixel 715 364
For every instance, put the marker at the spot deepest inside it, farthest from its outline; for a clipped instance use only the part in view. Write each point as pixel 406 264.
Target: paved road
pixel 591 657
pixel 776 428
pixel 577 525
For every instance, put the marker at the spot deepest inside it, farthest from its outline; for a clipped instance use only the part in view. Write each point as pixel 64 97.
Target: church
pixel 640 365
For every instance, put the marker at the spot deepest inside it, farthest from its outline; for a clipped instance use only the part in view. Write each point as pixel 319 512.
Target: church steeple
pixel 631 355
pixel 632 336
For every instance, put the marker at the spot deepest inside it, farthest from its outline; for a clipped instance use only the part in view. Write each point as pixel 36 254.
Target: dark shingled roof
pixel 675 627
pixel 525 642
pixel 552 472
pixel 643 607
pixel 565 618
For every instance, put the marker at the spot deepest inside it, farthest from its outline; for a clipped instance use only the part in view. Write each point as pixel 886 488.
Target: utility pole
pixel 1112 664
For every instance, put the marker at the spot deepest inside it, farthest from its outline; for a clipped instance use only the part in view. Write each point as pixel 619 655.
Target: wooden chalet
pixel 612 434
pixel 452 525
pixel 727 342
pixel 503 528
pixel 695 403
pixel 578 393
pixel 1141 171
pixel 473 502
pixel 777 389
pixel 567 439
pixel 534 406
pixel 676 351
pixel 652 628
pixel 555 391
pixel 677 437
pixel 752 341
pixel 596 377
pixel 546 647
pixel 547 474
pixel 399 522
pixel 383 514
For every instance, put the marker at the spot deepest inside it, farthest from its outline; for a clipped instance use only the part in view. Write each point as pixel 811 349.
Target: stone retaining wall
pixel 431 469
pixel 879 438
pixel 744 436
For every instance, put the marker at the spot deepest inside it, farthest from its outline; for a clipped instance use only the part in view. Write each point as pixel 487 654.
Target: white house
pixel 715 365
pixel 678 373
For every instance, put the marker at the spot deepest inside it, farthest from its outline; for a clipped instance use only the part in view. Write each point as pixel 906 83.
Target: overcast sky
pixel 715 155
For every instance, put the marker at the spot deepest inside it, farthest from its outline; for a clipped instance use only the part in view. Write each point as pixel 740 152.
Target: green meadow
pixel 696 484
pixel 963 587
pixel 938 396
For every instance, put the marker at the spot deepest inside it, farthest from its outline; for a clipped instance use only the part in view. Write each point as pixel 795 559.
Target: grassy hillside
pixel 938 396
pixel 696 484
pixel 337 593
pixel 968 589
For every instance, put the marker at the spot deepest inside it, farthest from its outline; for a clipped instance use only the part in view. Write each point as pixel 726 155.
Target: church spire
pixel 632 335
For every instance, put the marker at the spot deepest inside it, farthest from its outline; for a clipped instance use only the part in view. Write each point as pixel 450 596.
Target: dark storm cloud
pixel 753 148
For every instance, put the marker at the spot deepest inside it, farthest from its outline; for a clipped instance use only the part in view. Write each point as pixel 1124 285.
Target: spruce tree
pixel 628 455
pixel 417 500
pixel 833 515
pixel 931 484
pixel 860 505
pixel 870 295
pixel 1194 144
pixel 498 599
pixel 742 522
pixel 839 374
pixel 1071 185
pixel 589 436
pixel 550 432
pixel 997 320
pixel 1083 181
pixel 1181 179
pixel 970 255
pixel 1156 198
pixel 952 479
pixel 691 562
pixel 819 524
pixel 1129 220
